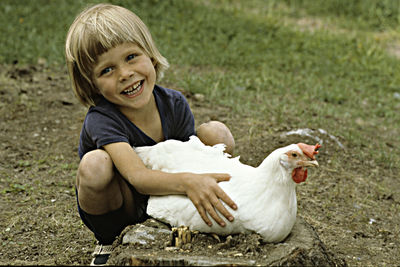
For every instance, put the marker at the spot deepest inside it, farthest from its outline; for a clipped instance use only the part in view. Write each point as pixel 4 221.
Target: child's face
pixel 125 76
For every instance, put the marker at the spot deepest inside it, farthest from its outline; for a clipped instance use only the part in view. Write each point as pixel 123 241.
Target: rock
pixel 144 235
pixel 199 97
pixel 149 244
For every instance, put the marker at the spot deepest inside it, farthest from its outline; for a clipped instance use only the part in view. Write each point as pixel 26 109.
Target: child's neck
pixel 143 115
pixel 147 119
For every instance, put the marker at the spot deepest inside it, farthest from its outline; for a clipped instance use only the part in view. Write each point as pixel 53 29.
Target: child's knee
pixel 216 132
pixel 95 169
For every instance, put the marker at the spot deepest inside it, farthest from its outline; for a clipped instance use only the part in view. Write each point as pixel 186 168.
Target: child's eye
pixel 130 57
pixel 105 71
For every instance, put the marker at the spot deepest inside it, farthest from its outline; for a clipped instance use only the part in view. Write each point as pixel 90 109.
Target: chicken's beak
pixel 308 163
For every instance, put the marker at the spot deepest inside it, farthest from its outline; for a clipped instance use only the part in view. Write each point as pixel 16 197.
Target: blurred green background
pixel 303 63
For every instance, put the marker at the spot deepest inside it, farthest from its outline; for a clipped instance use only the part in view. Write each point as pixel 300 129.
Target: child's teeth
pixel 133 89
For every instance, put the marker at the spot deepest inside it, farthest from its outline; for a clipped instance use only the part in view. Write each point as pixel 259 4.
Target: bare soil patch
pixel 354 206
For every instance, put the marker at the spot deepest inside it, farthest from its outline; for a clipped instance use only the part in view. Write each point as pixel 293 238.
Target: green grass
pixel 359 14
pixel 254 57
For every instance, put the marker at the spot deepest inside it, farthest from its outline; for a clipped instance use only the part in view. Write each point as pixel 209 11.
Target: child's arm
pixel 202 189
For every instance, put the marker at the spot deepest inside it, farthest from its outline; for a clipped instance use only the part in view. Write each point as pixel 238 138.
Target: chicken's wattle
pixel 299 175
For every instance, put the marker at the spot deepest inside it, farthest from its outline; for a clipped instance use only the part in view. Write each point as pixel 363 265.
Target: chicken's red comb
pixel 309 150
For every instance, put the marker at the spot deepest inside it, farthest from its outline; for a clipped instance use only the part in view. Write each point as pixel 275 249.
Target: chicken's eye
pixel 294 155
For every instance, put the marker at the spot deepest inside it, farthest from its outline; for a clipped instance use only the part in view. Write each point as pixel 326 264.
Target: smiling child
pixel 114 66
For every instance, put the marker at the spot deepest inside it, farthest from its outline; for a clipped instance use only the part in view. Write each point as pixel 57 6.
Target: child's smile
pixel 134 90
pixel 125 76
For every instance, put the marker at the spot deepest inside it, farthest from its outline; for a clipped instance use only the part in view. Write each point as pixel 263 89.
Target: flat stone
pixel 149 244
pixel 144 235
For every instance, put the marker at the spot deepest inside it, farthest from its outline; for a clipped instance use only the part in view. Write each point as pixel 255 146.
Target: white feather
pixel 265 196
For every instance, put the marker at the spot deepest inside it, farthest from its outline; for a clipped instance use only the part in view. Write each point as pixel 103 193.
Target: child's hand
pixel 205 193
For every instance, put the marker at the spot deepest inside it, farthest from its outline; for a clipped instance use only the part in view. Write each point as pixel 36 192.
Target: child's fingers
pixel 225 198
pixel 210 201
pixel 203 213
pixel 220 177
pixel 221 208
pixel 210 206
pixel 211 210
pixel 205 207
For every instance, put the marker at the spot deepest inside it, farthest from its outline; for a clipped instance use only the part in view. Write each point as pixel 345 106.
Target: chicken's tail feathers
pixel 168 155
pixel 215 149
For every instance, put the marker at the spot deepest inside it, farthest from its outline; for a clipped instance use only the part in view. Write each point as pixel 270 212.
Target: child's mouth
pixel 134 89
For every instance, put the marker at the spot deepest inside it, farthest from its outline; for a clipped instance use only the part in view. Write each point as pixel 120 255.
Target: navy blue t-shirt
pixel 105 124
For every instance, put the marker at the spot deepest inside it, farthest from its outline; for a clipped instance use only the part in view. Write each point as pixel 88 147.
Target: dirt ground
pixel 354 206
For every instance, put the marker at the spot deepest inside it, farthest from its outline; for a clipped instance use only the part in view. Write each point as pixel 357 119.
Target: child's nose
pixel 126 74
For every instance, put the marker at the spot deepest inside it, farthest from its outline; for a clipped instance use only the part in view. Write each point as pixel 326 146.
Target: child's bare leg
pixel 106 202
pixel 100 188
pixel 216 132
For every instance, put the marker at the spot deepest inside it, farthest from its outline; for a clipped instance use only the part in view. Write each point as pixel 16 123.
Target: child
pixel 114 64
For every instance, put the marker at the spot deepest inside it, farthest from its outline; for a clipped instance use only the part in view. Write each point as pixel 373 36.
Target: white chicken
pixel 265 195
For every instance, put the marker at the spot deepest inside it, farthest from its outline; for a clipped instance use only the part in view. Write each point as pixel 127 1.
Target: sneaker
pixel 101 254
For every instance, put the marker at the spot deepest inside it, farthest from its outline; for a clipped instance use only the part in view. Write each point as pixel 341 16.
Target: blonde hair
pixel 96 30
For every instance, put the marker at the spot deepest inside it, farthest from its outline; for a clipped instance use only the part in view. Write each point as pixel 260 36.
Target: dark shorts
pixel 107 226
